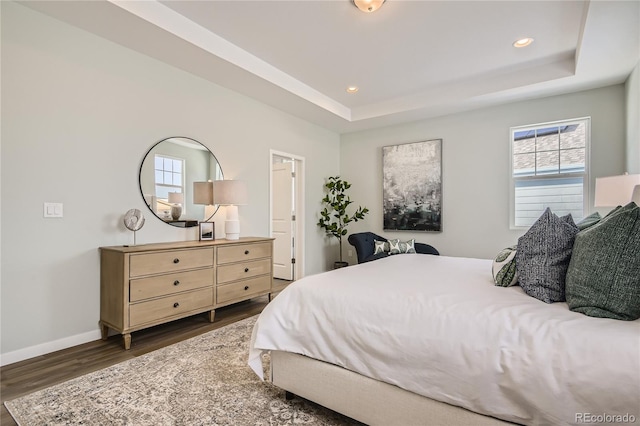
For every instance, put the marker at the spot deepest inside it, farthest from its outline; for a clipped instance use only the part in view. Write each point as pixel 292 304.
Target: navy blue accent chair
pixel 363 242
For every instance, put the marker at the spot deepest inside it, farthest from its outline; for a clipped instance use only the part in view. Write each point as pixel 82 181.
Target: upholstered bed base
pixel 364 399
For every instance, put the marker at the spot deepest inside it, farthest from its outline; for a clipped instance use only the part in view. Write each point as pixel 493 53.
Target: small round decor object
pixel 133 220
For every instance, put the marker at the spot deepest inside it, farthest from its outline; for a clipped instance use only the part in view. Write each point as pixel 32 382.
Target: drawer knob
pixel 246 252
pixel 246 269
pixel 176 260
pixel 175 305
pixel 246 287
pixel 176 282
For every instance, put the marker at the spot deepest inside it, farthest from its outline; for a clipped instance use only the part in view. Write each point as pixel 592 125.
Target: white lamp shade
pixel 636 195
pixel 176 198
pixel 615 191
pixel 229 192
pixel 203 193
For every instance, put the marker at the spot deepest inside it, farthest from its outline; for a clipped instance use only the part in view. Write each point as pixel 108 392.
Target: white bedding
pixel 437 326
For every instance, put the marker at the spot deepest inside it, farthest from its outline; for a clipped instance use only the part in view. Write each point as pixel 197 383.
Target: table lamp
pixel 176 199
pixel 613 191
pixel 203 194
pixel 230 193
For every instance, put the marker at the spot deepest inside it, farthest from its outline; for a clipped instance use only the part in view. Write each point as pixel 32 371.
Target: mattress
pixel 437 326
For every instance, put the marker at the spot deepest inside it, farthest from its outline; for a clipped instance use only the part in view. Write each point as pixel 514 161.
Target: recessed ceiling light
pixel 523 42
pixel 352 89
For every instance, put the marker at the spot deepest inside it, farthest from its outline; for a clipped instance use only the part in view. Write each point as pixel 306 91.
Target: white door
pixel 282 220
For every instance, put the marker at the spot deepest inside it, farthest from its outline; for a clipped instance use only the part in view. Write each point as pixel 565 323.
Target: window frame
pixel 182 176
pixel 586 174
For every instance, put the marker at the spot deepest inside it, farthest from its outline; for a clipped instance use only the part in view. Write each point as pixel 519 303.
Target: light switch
pixel 53 210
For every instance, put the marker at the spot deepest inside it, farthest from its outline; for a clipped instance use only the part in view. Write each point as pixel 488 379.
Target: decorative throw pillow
pixel 380 247
pixel 589 221
pixel 397 247
pixel 504 269
pixel 603 279
pixel 543 256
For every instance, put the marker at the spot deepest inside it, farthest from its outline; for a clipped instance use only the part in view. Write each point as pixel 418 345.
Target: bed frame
pixel 361 398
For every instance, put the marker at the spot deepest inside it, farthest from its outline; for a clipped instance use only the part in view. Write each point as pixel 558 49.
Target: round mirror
pixel 176 181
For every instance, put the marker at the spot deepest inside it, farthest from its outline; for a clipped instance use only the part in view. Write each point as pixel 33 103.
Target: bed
pixel 414 339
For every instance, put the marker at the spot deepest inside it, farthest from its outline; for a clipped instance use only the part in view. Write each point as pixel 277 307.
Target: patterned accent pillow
pixel 603 279
pixel 505 273
pixel 380 247
pixel 543 256
pixel 397 247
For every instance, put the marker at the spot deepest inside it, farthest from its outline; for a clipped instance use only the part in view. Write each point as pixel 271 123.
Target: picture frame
pixel 412 186
pixel 207 231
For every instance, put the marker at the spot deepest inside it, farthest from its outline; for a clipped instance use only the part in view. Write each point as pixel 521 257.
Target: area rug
pixel 201 381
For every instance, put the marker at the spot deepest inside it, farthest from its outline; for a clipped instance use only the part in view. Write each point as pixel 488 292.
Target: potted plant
pixel 334 218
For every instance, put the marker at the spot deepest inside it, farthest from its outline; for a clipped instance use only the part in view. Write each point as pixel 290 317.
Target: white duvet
pixel 437 326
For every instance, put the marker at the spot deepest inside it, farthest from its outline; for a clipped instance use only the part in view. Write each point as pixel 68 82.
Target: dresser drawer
pixel 169 261
pixel 169 306
pixel 240 252
pixel 242 270
pixel 243 290
pixel 162 285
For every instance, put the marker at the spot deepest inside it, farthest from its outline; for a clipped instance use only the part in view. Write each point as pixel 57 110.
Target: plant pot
pixel 338 265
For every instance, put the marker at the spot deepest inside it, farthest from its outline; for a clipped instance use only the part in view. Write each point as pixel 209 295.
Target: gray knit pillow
pixel 603 279
pixel 589 221
pixel 543 256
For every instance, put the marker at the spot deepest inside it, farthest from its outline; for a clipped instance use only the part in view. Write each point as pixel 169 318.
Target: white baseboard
pixel 45 348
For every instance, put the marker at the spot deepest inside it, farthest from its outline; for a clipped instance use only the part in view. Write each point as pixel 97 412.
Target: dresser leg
pixel 212 315
pixel 104 331
pixel 127 341
pixel 269 297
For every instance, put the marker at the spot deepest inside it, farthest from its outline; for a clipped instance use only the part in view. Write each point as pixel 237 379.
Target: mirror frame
pixel 181 222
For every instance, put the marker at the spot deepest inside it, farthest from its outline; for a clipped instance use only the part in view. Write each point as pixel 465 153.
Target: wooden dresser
pixel 146 285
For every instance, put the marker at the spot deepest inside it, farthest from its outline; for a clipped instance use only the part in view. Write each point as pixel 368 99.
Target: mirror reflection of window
pixel 168 172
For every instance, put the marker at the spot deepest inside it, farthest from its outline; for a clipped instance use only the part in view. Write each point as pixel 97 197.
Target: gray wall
pixel 78 115
pixel 632 88
pixel 476 165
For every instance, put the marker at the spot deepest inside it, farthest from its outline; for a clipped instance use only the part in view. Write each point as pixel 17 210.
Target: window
pixel 168 176
pixel 549 168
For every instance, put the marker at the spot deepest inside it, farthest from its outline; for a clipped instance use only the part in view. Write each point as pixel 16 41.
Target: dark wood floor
pixel 40 372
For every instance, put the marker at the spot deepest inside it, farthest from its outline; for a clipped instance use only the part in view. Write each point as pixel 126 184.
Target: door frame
pixel 299 223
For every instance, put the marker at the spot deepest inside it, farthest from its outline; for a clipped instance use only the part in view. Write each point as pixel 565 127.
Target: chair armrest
pixel 363 242
pixel 426 249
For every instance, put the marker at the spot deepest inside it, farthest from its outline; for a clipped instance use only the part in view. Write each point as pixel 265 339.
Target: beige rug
pixel 201 381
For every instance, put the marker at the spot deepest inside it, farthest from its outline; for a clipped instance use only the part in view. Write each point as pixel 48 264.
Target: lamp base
pixel 209 211
pixel 232 229
pixel 232 224
pixel 176 211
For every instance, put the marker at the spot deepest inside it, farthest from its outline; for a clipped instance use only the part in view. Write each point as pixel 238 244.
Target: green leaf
pixel 334 217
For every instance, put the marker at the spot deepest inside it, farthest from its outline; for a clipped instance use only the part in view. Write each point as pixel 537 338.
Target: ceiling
pixel 410 59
